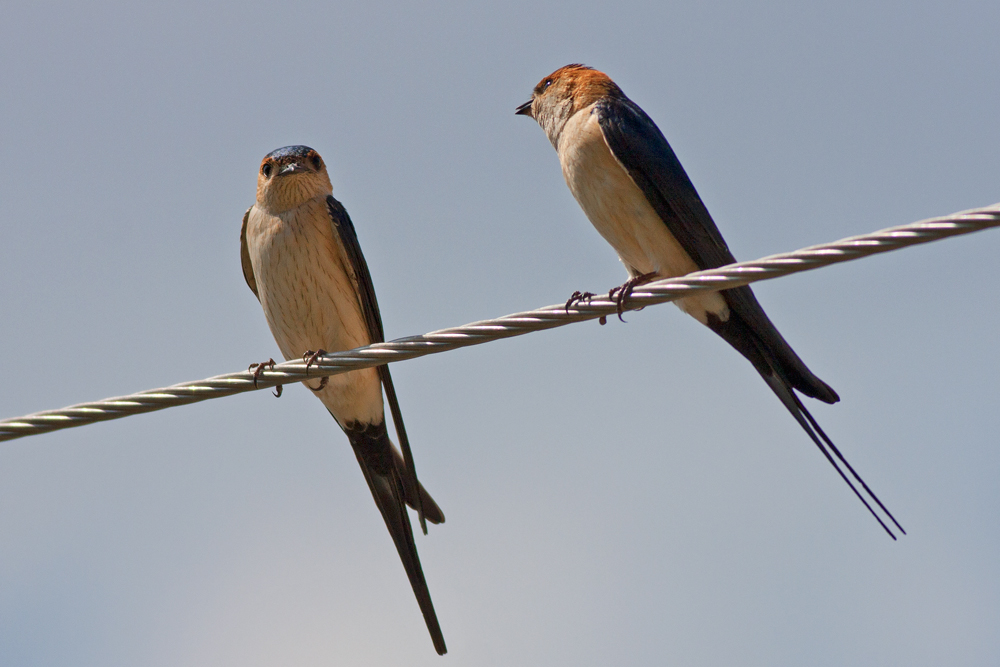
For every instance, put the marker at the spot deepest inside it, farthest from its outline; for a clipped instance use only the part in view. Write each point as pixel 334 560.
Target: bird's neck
pixel 553 119
pixel 287 200
pixel 287 193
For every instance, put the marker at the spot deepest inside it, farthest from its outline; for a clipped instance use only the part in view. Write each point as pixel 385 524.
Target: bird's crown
pixel 291 152
pixel 585 85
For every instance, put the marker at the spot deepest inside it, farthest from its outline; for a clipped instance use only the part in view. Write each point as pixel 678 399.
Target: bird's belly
pixel 620 212
pixel 310 303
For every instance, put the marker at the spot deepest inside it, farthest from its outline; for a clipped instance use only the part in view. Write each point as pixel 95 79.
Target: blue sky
pixel 627 494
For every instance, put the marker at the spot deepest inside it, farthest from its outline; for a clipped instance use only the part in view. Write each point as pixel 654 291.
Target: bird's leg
pixel 624 291
pixel 577 297
pixel 310 358
pixel 258 369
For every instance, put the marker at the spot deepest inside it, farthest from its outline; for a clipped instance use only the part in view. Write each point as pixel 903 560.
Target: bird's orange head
pixel 289 177
pixel 563 93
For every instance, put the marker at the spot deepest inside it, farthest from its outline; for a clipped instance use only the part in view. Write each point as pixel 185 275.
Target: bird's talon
pixel 622 294
pixel 277 391
pixel 578 297
pixel 259 368
pixel 602 320
pixel 624 291
pixel 310 358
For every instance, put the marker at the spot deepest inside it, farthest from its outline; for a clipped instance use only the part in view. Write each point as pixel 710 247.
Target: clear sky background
pixel 628 494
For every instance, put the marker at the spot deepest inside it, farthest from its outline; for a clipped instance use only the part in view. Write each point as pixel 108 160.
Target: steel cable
pixel 507 326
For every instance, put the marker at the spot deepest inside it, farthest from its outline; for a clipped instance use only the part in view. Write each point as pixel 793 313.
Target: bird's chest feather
pixel 615 204
pixel 622 214
pixel 304 284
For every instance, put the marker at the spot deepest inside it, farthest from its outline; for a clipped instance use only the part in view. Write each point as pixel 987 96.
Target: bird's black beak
pixel 524 109
pixel 292 168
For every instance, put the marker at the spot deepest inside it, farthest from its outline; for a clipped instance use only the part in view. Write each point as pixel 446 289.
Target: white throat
pixel 553 116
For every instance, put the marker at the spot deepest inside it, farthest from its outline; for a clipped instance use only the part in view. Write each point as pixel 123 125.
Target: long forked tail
pixel 830 451
pixel 749 330
pixel 375 454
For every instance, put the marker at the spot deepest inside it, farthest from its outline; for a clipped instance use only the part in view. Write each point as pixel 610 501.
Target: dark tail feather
pixel 825 445
pixel 409 469
pixel 783 371
pixel 432 512
pixel 749 322
pixel 377 458
pixel 840 456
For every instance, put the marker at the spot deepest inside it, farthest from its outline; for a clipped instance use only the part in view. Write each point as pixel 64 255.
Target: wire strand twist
pixel 517 324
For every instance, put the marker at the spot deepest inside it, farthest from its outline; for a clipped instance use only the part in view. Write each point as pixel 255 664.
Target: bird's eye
pixel 317 162
pixel 266 169
pixel 548 82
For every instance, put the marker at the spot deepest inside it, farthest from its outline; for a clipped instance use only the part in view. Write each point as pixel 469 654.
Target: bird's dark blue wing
pixel 344 228
pixel 393 482
pixel 416 496
pixel 245 257
pixel 643 151
pixel 640 147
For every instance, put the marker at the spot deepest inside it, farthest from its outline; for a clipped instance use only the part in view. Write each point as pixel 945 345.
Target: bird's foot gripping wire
pixel 259 368
pixel 578 297
pixel 621 294
pixel 310 358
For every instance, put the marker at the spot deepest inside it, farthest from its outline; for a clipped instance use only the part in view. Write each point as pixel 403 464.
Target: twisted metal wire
pixel 733 275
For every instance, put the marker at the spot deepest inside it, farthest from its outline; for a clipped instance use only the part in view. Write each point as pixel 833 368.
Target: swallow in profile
pixel 302 260
pixel 632 187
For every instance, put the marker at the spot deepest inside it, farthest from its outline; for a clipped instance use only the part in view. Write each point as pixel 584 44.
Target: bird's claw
pixel 258 369
pixel 310 358
pixel 624 291
pixel 577 297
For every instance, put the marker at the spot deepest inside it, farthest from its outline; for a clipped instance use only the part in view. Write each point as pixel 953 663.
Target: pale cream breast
pixel 310 301
pixel 620 212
